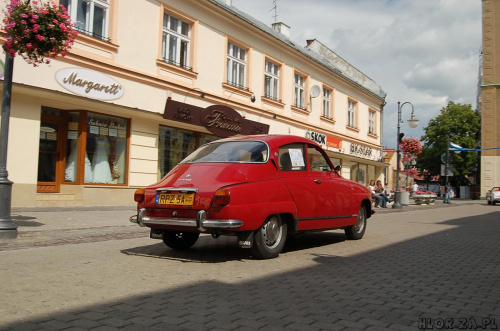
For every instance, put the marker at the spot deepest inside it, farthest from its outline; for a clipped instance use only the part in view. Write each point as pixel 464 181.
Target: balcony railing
pixel 241 87
pixel 93 34
pixel 177 64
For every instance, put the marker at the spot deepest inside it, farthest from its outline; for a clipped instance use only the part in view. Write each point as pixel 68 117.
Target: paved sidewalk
pixel 420 267
pixel 39 227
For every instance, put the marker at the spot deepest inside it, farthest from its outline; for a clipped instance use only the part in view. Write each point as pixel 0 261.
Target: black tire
pixel 270 238
pixel 180 240
pixel 356 231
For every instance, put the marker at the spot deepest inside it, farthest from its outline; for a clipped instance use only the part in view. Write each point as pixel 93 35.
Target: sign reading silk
pixel 89 83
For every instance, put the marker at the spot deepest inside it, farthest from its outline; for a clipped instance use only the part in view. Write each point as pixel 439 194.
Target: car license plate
pixel 175 199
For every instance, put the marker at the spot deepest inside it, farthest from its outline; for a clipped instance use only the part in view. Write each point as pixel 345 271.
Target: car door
pixel 293 171
pixel 333 194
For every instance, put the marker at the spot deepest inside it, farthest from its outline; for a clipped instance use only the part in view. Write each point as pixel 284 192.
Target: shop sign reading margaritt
pixel 89 83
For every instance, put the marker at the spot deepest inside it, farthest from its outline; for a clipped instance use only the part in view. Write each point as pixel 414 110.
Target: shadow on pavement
pixel 224 249
pixel 453 274
pixel 25 221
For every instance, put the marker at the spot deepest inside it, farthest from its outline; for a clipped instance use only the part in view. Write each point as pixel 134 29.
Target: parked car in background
pixel 493 195
pixel 258 188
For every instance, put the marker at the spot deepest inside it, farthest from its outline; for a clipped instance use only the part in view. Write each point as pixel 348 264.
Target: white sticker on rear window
pixel 296 157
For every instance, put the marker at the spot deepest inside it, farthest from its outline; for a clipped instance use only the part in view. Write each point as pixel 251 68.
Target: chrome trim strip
pixel 326 217
pixel 179 189
pixel 201 222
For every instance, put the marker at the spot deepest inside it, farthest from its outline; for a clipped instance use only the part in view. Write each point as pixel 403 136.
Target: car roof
pixel 273 140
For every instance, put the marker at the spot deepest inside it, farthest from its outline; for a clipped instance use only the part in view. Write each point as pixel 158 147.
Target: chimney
pixel 282 28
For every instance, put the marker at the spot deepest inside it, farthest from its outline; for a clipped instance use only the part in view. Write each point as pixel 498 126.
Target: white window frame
pixel 272 80
pixel 175 43
pixel 236 65
pixel 87 26
pixel 298 90
pixel 371 122
pixel 327 102
pixel 351 113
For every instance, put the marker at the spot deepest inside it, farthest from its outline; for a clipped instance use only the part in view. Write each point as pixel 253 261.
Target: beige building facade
pixel 132 100
pixel 490 96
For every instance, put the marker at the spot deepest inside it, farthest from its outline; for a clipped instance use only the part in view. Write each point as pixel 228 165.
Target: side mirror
pixel 337 168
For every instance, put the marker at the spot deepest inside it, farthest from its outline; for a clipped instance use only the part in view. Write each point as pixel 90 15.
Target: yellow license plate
pixel 175 199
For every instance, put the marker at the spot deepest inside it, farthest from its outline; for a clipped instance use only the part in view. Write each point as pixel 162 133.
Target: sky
pixel 425 52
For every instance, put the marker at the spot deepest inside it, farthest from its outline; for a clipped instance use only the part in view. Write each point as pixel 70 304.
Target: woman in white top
pixel 377 198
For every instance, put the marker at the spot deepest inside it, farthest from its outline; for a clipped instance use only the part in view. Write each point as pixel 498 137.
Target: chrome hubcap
pixel 360 223
pixel 272 231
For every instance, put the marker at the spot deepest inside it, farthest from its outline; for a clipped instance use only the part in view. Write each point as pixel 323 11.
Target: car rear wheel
pixel 270 239
pixel 356 231
pixel 180 240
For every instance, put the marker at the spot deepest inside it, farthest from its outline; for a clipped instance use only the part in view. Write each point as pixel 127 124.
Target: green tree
pixel 462 125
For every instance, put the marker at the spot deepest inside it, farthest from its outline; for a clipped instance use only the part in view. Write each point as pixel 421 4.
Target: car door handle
pixel 317 181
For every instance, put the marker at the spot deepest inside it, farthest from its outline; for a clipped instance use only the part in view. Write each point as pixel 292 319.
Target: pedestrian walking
pixel 447 193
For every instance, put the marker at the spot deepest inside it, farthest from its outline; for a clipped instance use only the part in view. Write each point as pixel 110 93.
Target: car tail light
pixel 139 195
pixel 222 197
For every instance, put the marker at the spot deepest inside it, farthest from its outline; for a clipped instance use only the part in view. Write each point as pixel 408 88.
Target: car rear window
pixel 230 151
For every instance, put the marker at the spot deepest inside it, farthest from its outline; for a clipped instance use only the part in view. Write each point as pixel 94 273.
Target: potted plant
pixel 37 31
pixel 422 197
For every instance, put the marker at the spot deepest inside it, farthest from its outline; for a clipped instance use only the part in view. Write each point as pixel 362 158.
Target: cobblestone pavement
pixel 420 267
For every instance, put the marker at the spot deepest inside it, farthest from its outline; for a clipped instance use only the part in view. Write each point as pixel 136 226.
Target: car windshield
pixel 230 151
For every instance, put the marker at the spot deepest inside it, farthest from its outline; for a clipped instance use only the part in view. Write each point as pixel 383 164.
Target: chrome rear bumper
pixel 201 223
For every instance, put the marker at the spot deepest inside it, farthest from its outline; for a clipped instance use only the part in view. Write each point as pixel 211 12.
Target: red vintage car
pixel 259 188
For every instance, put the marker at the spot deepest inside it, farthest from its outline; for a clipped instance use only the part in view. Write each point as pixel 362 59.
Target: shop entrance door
pixel 49 155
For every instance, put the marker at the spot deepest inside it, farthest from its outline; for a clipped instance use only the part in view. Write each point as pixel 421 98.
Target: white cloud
pixel 424 51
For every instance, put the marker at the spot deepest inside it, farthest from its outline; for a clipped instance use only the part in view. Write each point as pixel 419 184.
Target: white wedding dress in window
pixel 101 169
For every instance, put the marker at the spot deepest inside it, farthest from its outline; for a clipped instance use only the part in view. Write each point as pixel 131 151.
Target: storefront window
pixel 106 152
pixel 71 170
pixel 358 173
pixel 206 138
pixel 335 161
pixel 175 145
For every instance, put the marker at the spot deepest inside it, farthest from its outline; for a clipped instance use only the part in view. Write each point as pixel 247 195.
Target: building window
pixel 175 41
pixel 351 114
pixel 371 122
pixel 327 103
pixel 271 83
pixel 175 145
pixel 236 66
pixel 91 16
pixel 298 92
pixel 106 149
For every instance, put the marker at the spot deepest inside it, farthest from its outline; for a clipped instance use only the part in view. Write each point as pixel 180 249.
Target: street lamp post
pixel 8 229
pixel 413 123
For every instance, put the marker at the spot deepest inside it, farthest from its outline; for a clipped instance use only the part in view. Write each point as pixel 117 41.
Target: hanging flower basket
pixel 411 146
pixel 38 31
